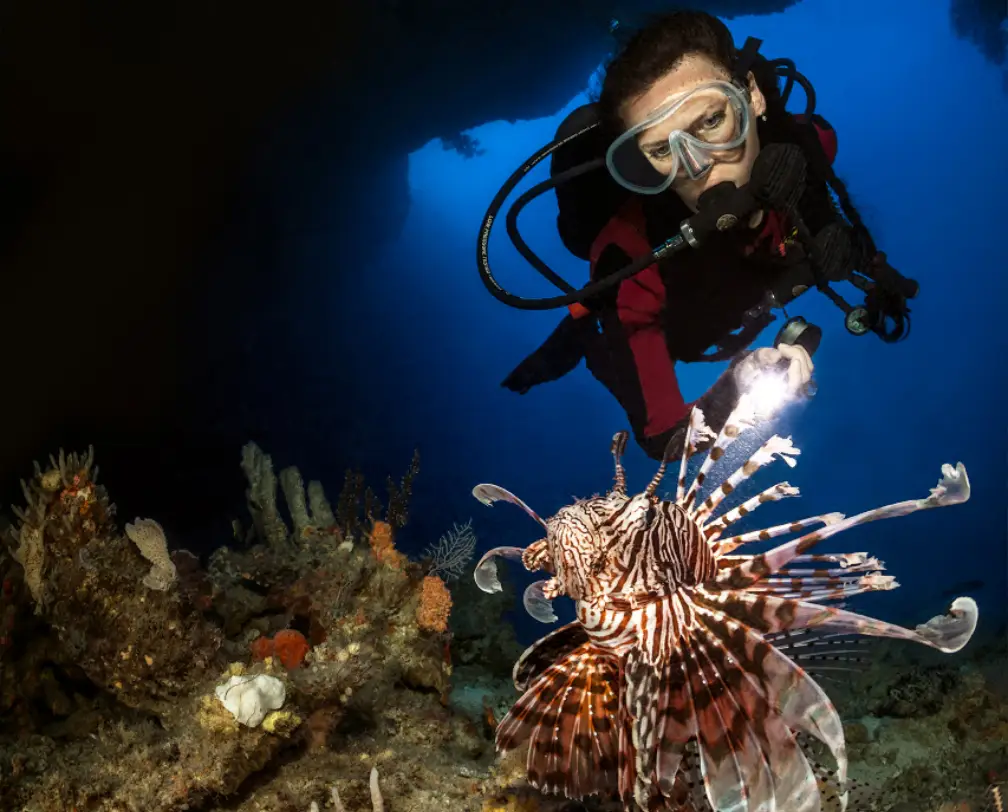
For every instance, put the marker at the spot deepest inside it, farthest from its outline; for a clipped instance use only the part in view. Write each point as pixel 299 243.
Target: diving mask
pixel 681 138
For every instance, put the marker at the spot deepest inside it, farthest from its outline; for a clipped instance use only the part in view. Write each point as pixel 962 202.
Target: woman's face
pixel 732 165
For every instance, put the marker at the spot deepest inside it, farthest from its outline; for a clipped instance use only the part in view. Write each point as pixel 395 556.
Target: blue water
pixel 921 119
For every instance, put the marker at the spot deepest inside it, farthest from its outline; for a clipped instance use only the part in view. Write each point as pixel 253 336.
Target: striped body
pixel 674 688
pixel 630 592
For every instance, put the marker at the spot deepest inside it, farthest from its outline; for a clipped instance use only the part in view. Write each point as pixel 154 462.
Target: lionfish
pixel 673 687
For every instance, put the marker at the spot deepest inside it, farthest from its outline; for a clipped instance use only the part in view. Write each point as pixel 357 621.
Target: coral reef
pixel 315 665
pixel 133 678
pixel 109 612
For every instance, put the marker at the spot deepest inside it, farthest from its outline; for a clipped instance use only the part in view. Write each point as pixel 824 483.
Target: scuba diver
pixel 690 148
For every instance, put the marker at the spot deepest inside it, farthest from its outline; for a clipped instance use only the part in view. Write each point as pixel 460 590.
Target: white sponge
pixel 250 698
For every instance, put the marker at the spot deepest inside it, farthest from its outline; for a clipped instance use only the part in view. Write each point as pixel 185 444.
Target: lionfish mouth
pixel 703 699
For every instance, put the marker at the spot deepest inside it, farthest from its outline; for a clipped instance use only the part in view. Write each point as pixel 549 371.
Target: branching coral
pixel 453 552
pixel 310 510
pixel 261 495
pixel 311 514
pixel 358 506
pixel 65 492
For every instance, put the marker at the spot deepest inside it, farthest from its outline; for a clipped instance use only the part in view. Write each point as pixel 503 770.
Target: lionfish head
pixel 576 544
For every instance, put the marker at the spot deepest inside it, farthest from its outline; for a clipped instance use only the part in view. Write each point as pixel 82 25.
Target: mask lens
pixel 681 138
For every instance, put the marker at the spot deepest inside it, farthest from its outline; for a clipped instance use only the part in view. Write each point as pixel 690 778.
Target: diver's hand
pixel 793 357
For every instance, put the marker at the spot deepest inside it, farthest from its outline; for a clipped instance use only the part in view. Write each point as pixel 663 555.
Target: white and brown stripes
pixel 776 446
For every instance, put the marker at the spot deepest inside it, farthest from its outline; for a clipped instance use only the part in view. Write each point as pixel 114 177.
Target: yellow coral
pixel 51 481
pixel 435 605
pixel 235 669
pixel 212 716
pixel 282 723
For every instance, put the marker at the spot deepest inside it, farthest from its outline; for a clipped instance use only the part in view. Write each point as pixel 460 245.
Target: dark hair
pixel 661 45
pixel 656 49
